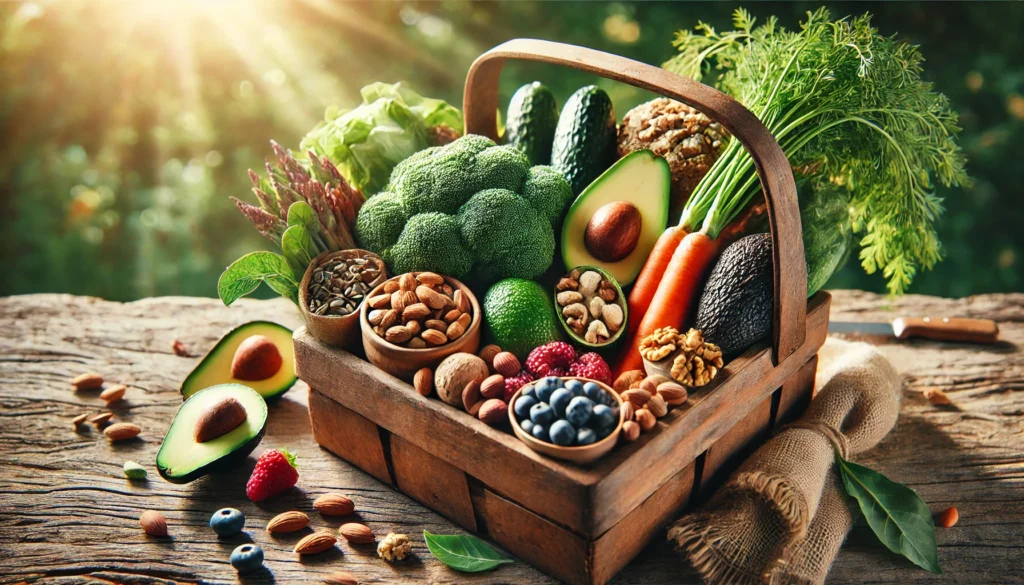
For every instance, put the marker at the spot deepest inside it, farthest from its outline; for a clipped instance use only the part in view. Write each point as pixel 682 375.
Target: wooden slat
pixel 614 549
pixel 348 435
pixel 541 543
pixel 795 394
pixel 735 445
pixel 437 484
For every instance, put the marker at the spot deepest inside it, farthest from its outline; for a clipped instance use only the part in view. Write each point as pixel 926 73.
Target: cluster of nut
pixel 590 304
pixel 696 361
pixel 645 400
pixel 419 310
pixel 477 383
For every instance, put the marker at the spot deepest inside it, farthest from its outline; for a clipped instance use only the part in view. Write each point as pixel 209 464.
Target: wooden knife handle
pixel 947 329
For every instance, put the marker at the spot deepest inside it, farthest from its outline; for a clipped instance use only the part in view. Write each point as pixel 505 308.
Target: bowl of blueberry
pixel 568 418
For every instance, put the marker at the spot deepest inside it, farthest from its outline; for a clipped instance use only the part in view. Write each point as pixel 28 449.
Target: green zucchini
pixel 532 117
pixel 584 145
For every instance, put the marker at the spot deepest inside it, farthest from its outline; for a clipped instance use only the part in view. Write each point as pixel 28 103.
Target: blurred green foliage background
pixel 127 124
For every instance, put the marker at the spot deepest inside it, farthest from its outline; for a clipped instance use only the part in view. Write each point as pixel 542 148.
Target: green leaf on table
pixel 896 514
pixel 297 247
pixel 300 213
pixel 245 275
pixel 464 553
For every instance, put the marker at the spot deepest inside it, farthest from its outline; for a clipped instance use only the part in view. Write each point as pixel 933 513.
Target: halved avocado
pixel 617 219
pixel 215 367
pixel 182 459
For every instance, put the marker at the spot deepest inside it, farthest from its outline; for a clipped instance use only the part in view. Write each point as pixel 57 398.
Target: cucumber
pixel 532 117
pixel 584 145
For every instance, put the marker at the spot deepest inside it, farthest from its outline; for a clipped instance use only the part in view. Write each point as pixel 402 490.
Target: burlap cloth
pixel 781 518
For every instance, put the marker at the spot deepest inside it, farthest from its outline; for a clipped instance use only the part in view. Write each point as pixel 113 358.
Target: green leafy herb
pixel 245 275
pixel 300 213
pixel 464 553
pixel 895 513
pixel 297 247
pixel 846 105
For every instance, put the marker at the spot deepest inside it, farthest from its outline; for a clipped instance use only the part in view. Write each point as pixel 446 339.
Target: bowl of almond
pixel 417 319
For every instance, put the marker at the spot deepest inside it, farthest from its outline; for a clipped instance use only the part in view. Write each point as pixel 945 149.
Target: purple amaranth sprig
pixel 321 185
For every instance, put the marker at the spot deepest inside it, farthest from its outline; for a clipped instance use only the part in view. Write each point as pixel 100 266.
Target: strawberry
pixel 550 356
pixel 274 473
pixel 515 383
pixel 593 367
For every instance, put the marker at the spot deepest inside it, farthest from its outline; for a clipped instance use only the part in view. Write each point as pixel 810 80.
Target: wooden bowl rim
pixel 322 258
pixel 532 441
pixel 364 321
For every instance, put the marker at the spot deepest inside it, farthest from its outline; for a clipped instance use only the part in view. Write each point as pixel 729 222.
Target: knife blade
pixel 934 328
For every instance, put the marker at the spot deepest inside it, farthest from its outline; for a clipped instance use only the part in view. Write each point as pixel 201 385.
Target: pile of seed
pixel 340 284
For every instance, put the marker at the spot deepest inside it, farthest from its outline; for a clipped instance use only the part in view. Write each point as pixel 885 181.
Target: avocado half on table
pixel 215 427
pixel 259 355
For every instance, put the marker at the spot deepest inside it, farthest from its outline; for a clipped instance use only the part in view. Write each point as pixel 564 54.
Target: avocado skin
pixel 532 117
pixel 236 456
pixel 584 145
pixel 735 310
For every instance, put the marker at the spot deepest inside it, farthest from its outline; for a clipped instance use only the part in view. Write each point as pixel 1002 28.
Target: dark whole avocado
pixel 182 459
pixel 215 367
pixel 532 117
pixel 735 310
pixel 584 145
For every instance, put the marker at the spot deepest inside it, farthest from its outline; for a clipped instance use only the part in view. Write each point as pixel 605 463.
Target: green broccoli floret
pixel 502 167
pixel 430 241
pixel 506 236
pixel 468 206
pixel 441 181
pixel 548 192
pixel 380 222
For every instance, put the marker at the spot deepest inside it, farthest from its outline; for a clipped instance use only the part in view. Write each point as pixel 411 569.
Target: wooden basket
pixel 582 524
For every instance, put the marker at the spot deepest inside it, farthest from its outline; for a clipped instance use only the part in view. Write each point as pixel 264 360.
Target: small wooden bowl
pixel 584 454
pixel 337 330
pixel 403 362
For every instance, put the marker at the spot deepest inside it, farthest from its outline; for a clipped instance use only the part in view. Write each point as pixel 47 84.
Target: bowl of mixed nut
pixel 332 291
pixel 591 307
pixel 417 319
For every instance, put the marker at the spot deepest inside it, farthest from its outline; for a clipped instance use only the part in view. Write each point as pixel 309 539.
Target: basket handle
pixel 480 104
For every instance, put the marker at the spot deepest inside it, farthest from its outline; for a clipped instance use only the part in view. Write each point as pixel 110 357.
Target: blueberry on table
pixel 596 393
pixel 523 406
pixel 540 432
pixel 574 386
pixel 560 400
pixel 247 557
pixel 527 425
pixel 562 433
pixel 603 417
pixel 541 413
pixel 585 436
pixel 227 522
pixel 579 411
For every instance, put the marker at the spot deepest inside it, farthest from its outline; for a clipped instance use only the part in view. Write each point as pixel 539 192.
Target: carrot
pixel 676 295
pixel 646 283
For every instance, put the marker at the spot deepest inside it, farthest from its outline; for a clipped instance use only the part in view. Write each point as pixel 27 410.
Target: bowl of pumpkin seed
pixel 333 289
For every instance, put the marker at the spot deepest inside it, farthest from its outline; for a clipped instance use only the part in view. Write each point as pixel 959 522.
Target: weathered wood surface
pixel 68 515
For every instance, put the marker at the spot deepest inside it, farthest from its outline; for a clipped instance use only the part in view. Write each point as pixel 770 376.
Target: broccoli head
pixel 468 206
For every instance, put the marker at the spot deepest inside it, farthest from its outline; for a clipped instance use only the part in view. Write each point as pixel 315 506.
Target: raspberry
pixel 513 384
pixel 543 359
pixel 593 367
pixel 274 473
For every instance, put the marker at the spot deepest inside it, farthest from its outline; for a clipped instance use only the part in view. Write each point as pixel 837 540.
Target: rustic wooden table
pixel 67 514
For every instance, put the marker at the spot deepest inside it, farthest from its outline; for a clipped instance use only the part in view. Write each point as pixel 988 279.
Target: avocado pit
pixel 257 358
pixel 219 419
pixel 613 231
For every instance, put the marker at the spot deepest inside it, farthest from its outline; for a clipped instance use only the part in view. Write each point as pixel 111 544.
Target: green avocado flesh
pixel 215 367
pixel 640 178
pixel 181 459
